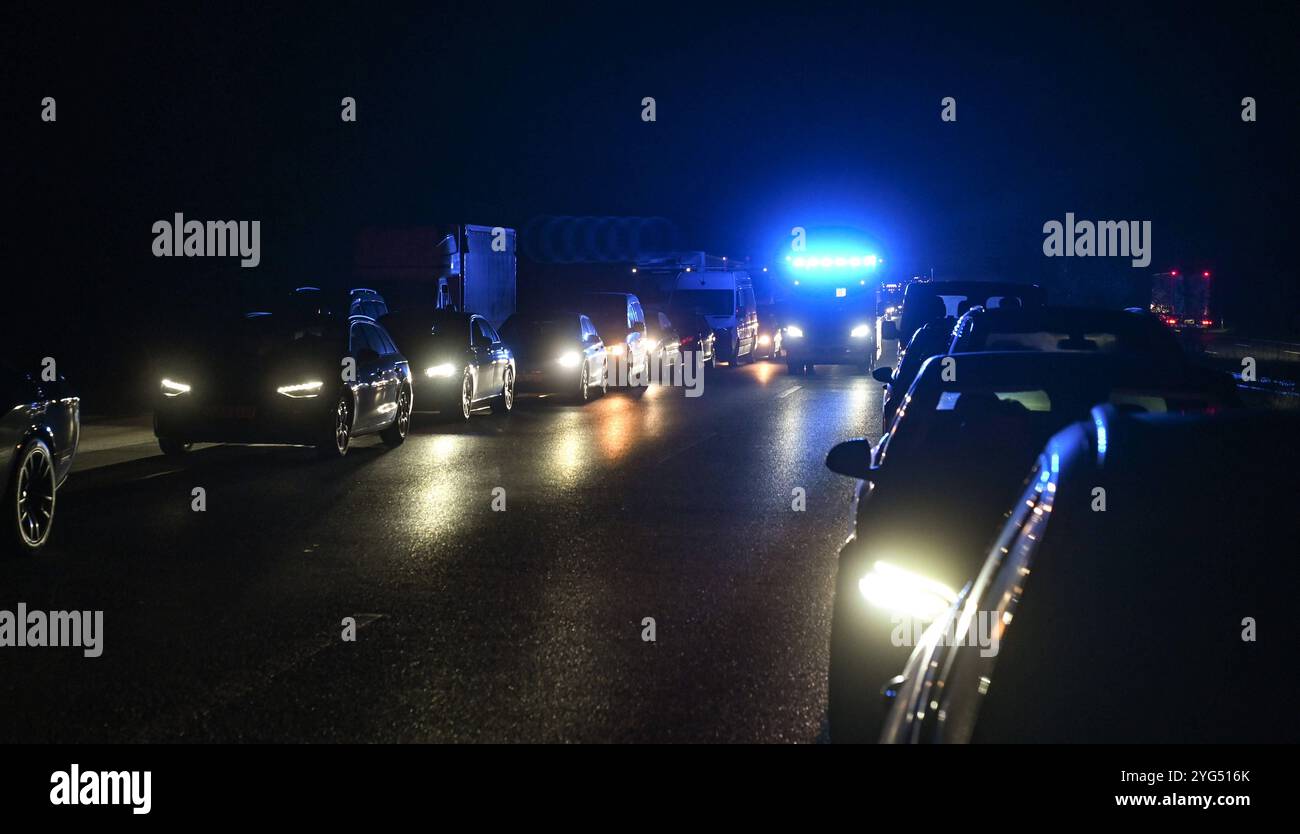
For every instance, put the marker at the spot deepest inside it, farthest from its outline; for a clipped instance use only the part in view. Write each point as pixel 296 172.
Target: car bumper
pixel 856 352
pixel 290 421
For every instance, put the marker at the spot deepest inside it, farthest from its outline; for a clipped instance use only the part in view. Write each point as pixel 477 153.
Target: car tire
pixel 395 435
pixel 336 441
pixel 604 380
pixel 173 447
pixel 584 385
pixel 505 402
pixel 29 500
pixel 456 408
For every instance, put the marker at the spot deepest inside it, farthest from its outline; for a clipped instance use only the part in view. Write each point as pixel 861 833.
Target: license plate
pixel 233 412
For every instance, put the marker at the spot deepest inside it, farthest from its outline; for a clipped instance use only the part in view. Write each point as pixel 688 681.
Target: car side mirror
pixel 888 330
pixel 883 374
pixel 851 458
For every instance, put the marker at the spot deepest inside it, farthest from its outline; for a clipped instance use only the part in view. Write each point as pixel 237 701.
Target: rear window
pixel 1048 341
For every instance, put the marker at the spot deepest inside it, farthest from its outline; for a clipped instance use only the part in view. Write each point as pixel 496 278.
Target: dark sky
pixel 768 117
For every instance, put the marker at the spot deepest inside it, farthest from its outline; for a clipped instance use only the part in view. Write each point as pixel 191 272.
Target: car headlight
pixel 765 339
pixel 794 331
pixel 860 332
pixel 618 350
pixel 904 592
pixel 172 388
pixel 570 359
pixel 303 390
pixel 446 369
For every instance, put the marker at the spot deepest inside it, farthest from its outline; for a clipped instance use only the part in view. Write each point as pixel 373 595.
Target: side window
pixel 748 295
pixel 483 335
pixel 637 315
pixel 387 341
pixel 356 339
pixel 374 339
pixel 588 329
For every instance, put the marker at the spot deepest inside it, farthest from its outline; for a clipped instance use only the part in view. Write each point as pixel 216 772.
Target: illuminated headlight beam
pixel 894 589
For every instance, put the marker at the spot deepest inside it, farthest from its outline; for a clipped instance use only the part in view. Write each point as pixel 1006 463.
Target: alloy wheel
pixel 35 497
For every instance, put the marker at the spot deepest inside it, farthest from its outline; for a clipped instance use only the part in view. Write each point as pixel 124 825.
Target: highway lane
pixel 473 624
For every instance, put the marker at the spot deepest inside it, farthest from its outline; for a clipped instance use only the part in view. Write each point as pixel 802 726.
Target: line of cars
pixel 307 373
pixel 997 403
pixel 302 375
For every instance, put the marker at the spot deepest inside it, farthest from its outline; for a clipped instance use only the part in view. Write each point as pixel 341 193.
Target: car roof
pixel 1031 318
pixel 970 287
pixel 1020 367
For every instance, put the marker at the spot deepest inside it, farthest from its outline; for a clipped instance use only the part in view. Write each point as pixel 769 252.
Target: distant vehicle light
pixel 569 359
pixel 794 331
pixel 895 589
pixel 841 292
pixel 172 388
pixel 764 339
pixel 1207 322
pixel 618 350
pixel 303 390
pixel 889 311
pixel 651 344
pixel 1205 274
pixel 860 332
pixel 446 369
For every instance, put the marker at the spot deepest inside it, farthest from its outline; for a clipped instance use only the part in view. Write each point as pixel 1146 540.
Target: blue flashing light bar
pixel 833 261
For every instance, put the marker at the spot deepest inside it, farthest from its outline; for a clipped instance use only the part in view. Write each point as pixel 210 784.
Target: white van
pixel 726 300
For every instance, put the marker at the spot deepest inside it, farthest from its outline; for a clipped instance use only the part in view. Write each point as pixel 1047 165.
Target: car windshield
pixel 414 326
pixel 703 302
pixel 264 333
pixel 529 331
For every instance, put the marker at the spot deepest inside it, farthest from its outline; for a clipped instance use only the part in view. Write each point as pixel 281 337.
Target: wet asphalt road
pixel 475 625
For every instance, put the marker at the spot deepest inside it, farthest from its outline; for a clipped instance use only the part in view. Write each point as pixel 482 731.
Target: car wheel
pixel 584 384
pixel 604 380
pixel 505 403
pixel 173 448
pixel 458 405
pixel 29 500
pixel 338 442
pixel 395 435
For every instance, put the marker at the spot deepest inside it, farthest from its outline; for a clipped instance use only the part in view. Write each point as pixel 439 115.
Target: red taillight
pixel 686 340
pixel 1206 323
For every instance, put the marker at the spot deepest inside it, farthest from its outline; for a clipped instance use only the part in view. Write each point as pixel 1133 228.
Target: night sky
pixel 766 119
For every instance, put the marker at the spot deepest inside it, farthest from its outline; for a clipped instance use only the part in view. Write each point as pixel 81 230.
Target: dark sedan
pixel 39 430
pixel 292 378
pixel 557 353
pixel 696 339
pixel 938 483
pixel 1141 591
pixel 460 362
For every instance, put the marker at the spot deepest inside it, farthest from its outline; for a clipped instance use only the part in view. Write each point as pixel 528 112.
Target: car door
pixel 500 355
pixel 486 383
pixel 636 339
pixel 593 350
pixel 370 377
pixel 392 367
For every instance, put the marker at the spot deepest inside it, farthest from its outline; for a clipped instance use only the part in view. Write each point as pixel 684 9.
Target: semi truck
pixel 1182 300
pixel 462 267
